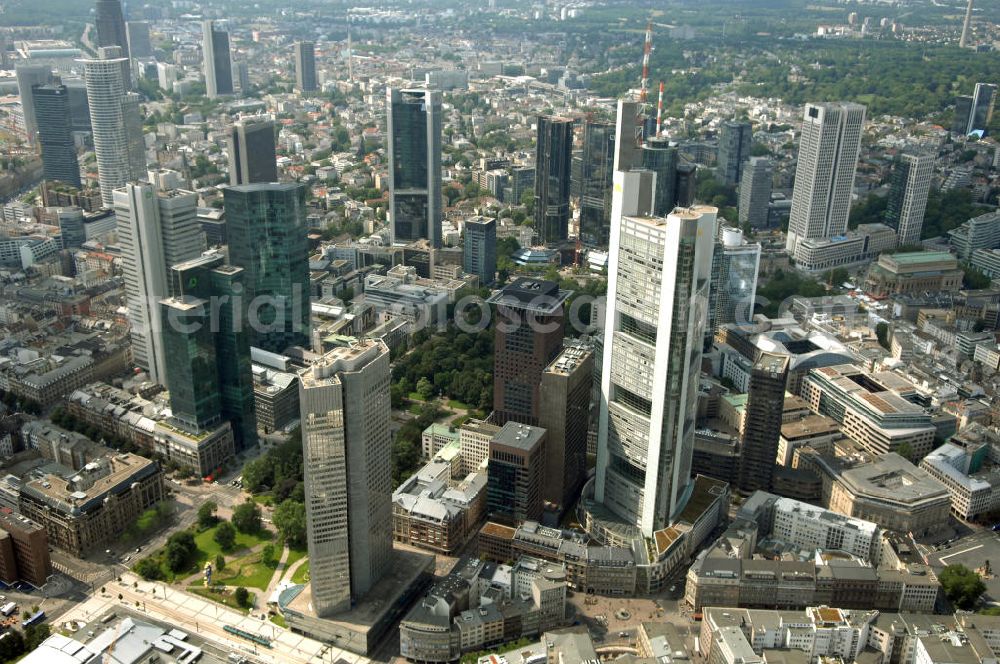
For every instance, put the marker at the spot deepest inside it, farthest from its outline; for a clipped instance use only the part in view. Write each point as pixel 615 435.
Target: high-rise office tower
pixel 209 374
pixel 907 200
pixel 115 123
pixel 242 76
pixel 735 264
pixel 628 136
pixel 305 66
pixel 110 26
pixel 597 169
pixel 139 43
pixel 824 176
pixel 735 141
pixel 479 253
pixel 516 474
pixel 110 23
pixel 156 229
pixel 686 184
pixel 414 141
pixel 634 195
pixel 72 231
pixel 266 226
pixel 765 406
pixel 755 192
pixel 659 275
pixel 252 152
pixel 79 107
pixel 974 113
pixel 528 336
pixel 564 413
pixel 347 447
pixel 660 156
pixel 553 160
pixel 963 114
pixel 217 60
pixel 55 134
pixel 29 76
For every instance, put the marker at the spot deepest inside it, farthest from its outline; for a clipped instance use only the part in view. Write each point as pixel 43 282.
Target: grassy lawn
pixel 294 555
pixel 247 571
pixel 222 596
pixel 279 620
pixel 458 405
pixel 414 396
pixel 301 575
pixel 210 548
pixel 415 408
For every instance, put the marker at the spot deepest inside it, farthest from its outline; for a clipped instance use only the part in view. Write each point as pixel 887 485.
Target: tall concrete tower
pixel 344 402
pixel 824 176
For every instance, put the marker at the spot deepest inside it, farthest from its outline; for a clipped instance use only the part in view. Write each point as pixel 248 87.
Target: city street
pixel 208 619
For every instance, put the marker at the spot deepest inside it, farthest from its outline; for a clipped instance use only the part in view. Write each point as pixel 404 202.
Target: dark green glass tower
pixel 266 224
pixel 217 290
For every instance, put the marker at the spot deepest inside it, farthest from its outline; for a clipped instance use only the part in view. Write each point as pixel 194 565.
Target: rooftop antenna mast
pixel 659 110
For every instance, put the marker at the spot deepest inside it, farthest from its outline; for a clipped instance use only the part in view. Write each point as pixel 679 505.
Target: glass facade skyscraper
pixel 208 282
pixel 553 162
pixel 659 156
pixel 479 253
pixel 266 226
pixel 735 264
pixel 414 137
pixel 55 134
pixel 596 173
pixel 217 60
pixel 252 155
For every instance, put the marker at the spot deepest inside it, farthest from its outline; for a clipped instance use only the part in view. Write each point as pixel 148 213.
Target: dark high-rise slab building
pixel 29 76
pixel 565 415
pixel 755 192
pixel 735 141
pixel 596 172
pixel 414 139
pixel 659 156
pixel 516 476
pixel 553 162
pixel 110 23
pixel 305 66
pixel 252 153
pixel 217 60
pixel 528 336
pixel 686 184
pixel 55 134
pixel 973 114
pixel 479 253
pixel 217 355
pixel 266 225
pixel 765 407
pixel 907 200
pixel 139 43
pixel 79 106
